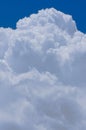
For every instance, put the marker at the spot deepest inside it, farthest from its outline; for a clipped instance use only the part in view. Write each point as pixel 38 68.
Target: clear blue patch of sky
pixel 12 10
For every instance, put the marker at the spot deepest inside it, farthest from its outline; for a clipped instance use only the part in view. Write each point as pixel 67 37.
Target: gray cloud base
pixel 43 74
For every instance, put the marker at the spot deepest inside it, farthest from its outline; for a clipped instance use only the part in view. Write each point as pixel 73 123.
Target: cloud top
pixel 49 16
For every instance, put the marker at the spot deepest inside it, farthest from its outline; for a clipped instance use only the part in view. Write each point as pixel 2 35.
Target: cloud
pixel 43 74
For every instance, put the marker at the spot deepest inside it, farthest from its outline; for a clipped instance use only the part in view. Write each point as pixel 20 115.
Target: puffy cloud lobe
pixel 43 74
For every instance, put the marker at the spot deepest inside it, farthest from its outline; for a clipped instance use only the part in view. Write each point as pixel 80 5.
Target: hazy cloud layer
pixel 43 74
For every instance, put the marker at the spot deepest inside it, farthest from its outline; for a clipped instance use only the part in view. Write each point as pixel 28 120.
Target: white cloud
pixel 43 74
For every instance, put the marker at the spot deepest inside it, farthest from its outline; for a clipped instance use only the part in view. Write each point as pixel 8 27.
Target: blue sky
pixel 11 11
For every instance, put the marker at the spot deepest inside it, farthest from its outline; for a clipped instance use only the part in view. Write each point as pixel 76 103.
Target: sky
pixel 12 11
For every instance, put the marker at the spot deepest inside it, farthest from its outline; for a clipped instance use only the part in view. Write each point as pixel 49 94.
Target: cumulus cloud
pixel 43 74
